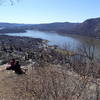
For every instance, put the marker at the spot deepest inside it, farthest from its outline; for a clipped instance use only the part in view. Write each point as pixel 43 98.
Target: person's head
pixel 17 62
pixel 12 61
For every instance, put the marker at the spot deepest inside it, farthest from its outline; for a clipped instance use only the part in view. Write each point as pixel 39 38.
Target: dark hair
pixel 17 62
pixel 13 60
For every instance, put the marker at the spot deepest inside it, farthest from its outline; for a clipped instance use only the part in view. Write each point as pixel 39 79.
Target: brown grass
pixel 51 82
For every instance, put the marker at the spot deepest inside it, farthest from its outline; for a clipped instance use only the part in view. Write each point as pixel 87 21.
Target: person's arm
pixel 4 67
pixel 8 67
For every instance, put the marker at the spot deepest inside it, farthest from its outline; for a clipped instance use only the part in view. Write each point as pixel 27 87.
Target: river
pixel 72 42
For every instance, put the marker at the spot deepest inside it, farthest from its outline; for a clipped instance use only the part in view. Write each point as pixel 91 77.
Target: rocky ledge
pixel 34 49
pixel 18 47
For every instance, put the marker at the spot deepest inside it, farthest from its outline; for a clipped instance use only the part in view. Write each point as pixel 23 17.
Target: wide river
pixel 72 42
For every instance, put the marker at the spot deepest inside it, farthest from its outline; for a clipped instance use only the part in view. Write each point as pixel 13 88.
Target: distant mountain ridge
pixel 56 26
pixel 90 27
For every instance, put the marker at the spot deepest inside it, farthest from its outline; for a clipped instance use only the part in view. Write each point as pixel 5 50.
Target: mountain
pixel 90 27
pixel 14 28
pixel 56 26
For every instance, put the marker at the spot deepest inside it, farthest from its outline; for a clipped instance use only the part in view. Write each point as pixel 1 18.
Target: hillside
pixel 51 82
pixel 90 27
pixel 51 73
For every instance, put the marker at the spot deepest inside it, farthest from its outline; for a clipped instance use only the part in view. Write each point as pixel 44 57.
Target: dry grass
pixel 51 82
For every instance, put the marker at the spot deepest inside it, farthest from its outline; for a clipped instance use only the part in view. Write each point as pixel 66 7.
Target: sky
pixel 48 11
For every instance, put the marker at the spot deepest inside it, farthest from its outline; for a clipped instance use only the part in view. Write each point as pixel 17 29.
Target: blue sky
pixel 47 11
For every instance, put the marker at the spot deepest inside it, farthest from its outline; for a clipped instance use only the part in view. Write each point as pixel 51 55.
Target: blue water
pixel 53 38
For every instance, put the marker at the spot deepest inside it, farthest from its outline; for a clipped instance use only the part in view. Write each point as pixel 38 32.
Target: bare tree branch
pixel 9 1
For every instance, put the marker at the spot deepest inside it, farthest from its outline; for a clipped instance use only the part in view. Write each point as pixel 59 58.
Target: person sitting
pixel 18 69
pixel 15 66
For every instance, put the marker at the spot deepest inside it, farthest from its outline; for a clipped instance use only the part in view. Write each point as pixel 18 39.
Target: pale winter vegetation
pixel 52 73
pixel 50 82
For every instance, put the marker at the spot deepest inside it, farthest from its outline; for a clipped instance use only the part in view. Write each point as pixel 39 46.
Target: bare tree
pixel 88 49
pixel 8 1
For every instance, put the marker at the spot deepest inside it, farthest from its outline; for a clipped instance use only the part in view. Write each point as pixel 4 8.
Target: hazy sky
pixel 46 11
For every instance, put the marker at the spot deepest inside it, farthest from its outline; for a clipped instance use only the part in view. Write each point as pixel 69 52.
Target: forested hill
pixel 90 27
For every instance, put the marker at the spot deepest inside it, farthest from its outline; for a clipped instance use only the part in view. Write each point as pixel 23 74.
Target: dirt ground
pixel 8 80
